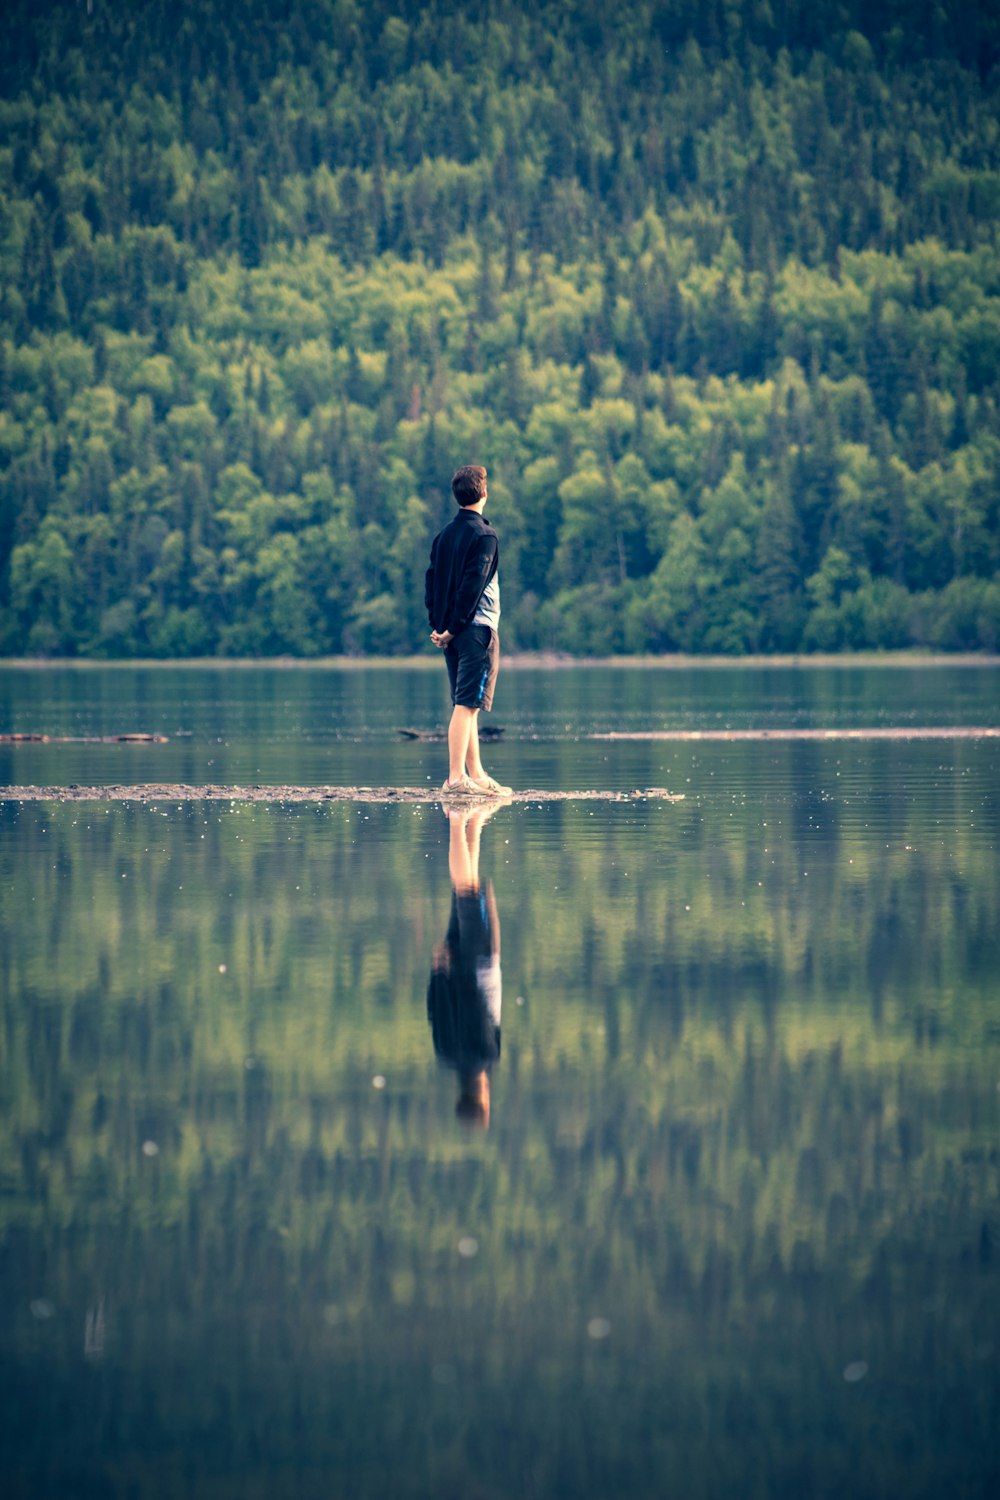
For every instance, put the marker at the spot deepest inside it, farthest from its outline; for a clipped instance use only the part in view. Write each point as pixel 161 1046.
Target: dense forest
pixel 712 287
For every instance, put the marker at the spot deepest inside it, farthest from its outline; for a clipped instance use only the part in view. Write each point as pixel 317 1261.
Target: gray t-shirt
pixel 488 608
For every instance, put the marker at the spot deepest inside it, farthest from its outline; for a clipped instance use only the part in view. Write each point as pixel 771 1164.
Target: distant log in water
pixel 174 792
pixel 486 732
pixel 84 739
pixel 683 736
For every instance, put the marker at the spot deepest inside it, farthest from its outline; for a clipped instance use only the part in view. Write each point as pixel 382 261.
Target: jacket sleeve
pixel 479 568
pixel 429 586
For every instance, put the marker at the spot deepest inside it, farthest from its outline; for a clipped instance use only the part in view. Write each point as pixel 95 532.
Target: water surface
pixel 733 1228
pixel 300 724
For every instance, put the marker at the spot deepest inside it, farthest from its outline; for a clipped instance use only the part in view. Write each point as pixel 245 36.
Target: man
pixel 462 594
pixel 464 993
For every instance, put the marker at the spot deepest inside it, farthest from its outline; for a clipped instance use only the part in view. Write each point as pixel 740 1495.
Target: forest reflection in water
pixel 733 1227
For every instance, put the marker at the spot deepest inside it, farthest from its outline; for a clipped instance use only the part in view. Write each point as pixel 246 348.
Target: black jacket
pixel 464 557
pixel 465 1034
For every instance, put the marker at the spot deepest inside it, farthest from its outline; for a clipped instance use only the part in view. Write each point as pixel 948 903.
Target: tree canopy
pixel 713 291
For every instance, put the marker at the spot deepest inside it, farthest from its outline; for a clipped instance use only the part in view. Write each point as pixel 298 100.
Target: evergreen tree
pixel 323 246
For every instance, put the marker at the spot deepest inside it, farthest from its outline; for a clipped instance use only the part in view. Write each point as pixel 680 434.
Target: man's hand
pixel 441 638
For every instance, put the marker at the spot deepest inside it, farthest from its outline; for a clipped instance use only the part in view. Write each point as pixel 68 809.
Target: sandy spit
pixel 175 792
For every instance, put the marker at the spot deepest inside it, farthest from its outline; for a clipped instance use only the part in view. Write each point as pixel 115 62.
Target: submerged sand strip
pixel 686 736
pixel 174 792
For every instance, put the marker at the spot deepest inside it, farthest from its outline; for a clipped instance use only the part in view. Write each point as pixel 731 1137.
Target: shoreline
pixel 516 661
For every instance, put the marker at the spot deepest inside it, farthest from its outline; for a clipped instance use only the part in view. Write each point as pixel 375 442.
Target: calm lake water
pixel 733 1229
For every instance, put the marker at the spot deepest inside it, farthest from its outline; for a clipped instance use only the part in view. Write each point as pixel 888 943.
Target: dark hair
pixel 468 484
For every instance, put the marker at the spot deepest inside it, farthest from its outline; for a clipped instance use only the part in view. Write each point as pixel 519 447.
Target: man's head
pixel 468 485
pixel 473 1107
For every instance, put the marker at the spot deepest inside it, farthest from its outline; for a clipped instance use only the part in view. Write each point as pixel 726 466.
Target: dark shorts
pixel 473 660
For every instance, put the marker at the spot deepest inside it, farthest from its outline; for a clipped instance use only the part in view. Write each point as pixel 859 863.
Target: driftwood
pixel 486 732
pixel 83 739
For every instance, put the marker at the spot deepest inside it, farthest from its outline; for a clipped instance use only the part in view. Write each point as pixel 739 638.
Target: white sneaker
pixel 488 786
pixel 463 787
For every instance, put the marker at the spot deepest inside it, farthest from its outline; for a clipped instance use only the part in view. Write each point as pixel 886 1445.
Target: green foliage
pixel 706 288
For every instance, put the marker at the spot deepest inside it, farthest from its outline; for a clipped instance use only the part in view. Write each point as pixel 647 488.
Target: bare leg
pixel 464 839
pixel 460 730
pixel 475 819
pixel 463 750
pixel 464 873
pixel 473 762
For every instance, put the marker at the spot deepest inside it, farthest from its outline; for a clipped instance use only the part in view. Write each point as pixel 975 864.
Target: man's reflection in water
pixel 463 996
